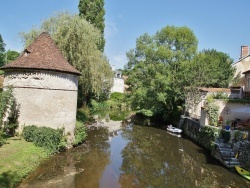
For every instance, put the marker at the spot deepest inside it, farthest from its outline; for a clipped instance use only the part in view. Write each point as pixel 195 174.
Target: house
pixel 44 85
pixel 118 84
pixel 195 110
pixel 243 64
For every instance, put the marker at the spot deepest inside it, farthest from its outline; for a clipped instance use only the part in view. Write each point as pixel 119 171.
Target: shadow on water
pixel 136 156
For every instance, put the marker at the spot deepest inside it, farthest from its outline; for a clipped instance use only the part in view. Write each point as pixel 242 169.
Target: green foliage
pixel 212 111
pixel 220 95
pixel 46 137
pixel 11 55
pixel 155 70
pixel 98 106
pixel 208 135
pixel 77 40
pixel 2 138
pixel 82 115
pixel 2 50
pixel 93 11
pixel 118 97
pixel 8 111
pixel 80 134
pixel 209 68
pixel 225 135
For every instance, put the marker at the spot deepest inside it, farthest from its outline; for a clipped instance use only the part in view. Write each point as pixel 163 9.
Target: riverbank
pixel 17 159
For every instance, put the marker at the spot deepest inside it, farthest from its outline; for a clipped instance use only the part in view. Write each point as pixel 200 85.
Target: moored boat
pixel 172 129
pixel 243 172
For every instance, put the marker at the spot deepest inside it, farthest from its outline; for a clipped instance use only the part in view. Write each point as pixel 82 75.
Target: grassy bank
pixel 17 159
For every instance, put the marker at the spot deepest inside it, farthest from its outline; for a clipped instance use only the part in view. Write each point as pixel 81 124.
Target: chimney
pixel 244 51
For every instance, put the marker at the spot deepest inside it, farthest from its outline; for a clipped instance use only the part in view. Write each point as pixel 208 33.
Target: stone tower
pixel 45 86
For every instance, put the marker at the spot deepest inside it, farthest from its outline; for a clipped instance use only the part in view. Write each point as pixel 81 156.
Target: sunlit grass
pixel 17 159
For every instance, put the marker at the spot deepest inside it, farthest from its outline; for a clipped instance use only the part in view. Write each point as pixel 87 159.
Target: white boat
pixel 172 129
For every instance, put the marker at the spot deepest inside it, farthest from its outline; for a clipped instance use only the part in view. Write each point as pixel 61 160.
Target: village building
pixel 228 111
pixel 243 64
pixel 44 85
pixel 118 82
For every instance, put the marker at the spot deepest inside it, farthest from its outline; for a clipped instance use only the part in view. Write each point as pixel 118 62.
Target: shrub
pixel 118 97
pixel 29 133
pixel 80 134
pixel 99 106
pixel 2 139
pixel 8 111
pixel 83 114
pixel 51 139
pixel 208 135
pixel 226 135
pixel 220 95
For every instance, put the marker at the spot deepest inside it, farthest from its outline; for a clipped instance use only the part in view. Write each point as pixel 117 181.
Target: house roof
pixel 215 89
pixel 42 54
pixel 246 72
pixel 241 59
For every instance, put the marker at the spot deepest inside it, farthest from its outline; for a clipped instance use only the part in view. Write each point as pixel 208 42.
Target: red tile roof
pixel 42 54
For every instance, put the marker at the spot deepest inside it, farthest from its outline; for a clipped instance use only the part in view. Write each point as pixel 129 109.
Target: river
pixel 135 156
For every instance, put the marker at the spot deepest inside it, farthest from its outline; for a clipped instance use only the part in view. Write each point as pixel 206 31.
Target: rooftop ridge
pixel 42 54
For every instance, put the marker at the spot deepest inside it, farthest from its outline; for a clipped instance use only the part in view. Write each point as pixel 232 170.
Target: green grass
pixel 17 159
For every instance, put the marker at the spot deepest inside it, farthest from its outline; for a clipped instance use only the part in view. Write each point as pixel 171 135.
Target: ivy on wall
pixel 8 111
pixel 212 111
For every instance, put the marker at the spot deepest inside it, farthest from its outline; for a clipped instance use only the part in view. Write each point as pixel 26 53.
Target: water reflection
pixel 134 157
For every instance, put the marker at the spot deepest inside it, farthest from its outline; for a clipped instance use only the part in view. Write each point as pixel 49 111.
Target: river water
pixel 135 156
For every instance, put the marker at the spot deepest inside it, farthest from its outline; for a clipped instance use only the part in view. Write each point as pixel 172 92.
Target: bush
pixel 51 139
pixel 118 97
pixel 226 135
pixel 80 134
pixel 208 135
pixel 2 139
pixel 99 106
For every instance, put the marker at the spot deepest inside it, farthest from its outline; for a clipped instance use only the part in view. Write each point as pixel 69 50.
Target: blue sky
pixel 219 24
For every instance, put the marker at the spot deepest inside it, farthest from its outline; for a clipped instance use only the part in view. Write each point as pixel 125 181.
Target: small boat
pixel 172 129
pixel 243 172
pixel 174 134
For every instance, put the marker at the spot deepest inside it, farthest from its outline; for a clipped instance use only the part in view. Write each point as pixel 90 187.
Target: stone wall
pixel 45 98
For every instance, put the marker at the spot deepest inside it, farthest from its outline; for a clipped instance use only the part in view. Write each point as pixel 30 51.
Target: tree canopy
pixel 11 55
pixel 77 40
pixel 210 68
pixel 93 11
pixel 162 66
pixel 2 50
pixel 155 68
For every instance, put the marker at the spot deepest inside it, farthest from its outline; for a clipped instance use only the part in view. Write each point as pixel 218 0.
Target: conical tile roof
pixel 42 54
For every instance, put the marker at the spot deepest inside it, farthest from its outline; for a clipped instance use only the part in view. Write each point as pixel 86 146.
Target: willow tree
pixel 77 40
pixel 93 11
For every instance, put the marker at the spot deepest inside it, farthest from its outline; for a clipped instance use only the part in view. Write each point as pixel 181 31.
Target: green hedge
pixel 80 134
pixel 51 139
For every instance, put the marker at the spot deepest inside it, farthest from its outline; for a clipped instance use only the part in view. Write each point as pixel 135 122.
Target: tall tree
pixel 11 55
pixel 2 50
pixel 155 70
pixel 76 38
pixel 93 11
pixel 210 68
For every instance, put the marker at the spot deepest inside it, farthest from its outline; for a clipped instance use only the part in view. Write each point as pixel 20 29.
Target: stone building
pixel 118 85
pixel 45 86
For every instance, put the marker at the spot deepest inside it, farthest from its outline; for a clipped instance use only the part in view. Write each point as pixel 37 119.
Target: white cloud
pixel 110 29
pixel 118 60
